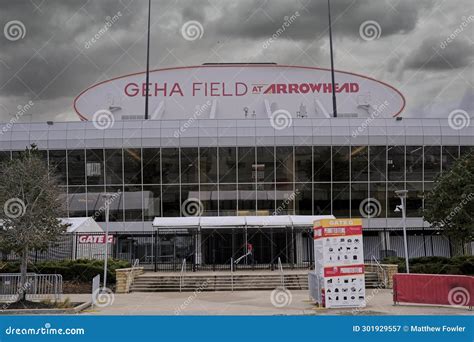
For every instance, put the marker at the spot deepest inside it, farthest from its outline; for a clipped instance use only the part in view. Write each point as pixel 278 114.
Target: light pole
pixel 402 194
pixel 107 211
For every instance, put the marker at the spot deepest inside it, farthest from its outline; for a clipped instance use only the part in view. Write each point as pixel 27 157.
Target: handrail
pixel 282 275
pixel 131 274
pixel 181 276
pixel 384 273
pixel 232 273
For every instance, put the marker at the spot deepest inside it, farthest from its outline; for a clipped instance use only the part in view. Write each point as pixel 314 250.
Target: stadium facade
pixel 221 164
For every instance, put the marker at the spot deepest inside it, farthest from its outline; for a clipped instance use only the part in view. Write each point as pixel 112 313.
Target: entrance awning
pixel 211 222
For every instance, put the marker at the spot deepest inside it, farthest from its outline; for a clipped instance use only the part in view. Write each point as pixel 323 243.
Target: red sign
pixel 338 271
pixel 320 232
pixel 95 238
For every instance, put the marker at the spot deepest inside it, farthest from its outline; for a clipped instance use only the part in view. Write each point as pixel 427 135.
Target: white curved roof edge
pixel 238 221
pixel 82 225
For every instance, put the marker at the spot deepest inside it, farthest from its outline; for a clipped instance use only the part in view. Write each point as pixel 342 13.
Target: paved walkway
pixel 252 303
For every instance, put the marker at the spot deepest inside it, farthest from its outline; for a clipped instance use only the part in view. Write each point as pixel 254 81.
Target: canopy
pixel 238 221
pixel 82 225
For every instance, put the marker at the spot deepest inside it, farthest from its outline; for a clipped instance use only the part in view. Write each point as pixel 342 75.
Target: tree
pixel 450 205
pixel 32 205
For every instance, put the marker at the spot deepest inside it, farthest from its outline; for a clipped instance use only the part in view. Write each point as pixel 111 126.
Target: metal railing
pixel 131 274
pixel 282 275
pixel 181 275
pixel 232 273
pixel 384 273
pixel 37 286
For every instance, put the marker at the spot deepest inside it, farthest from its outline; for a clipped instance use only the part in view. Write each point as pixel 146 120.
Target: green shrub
pixel 81 270
pixel 435 265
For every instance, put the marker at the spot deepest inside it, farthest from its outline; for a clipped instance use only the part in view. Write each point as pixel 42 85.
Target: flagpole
pixel 147 61
pixel 334 105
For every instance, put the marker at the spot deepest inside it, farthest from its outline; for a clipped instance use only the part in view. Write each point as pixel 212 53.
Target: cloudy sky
pixel 47 55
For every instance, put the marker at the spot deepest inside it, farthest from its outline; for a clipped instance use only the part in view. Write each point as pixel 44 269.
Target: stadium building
pixel 238 154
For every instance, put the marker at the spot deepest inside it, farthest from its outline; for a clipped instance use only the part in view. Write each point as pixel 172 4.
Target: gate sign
pixel 239 91
pixel 94 238
pixel 339 260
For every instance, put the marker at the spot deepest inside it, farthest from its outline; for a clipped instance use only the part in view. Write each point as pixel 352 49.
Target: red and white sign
pixel 339 256
pixel 239 91
pixel 94 238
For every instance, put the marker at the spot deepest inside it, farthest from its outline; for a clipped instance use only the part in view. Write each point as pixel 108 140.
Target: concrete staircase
pixel 220 281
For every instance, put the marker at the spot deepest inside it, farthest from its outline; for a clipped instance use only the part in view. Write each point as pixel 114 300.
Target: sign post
pixel 339 256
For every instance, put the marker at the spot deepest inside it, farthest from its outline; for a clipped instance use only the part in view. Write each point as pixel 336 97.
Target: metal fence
pixel 213 249
pixel 37 286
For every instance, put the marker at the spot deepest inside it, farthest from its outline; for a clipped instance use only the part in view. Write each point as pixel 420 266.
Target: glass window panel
pixel 151 202
pixel 151 166
pixel 340 163
pixel 132 165
pixel 378 163
pixel 285 199
pixel 284 164
pixel 190 202
pixel 450 154
pixel 95 167
pixel 414 199
pixel 57 162
pixel 170 166
pixel 171 202
pixel 378 192
pixel 95 202
pixel 360 204
pixel 16 154
pixel 432 162
pixel 265 168
pixel 247 199
pixel 209 198
pixel 359 163
pixel 246 164
pixel 322 163
pixel 227 164
pixel 77 201
pixel 227 200
pixel 341 199
pixel 392 200
pixel 322 199
pixel 303 199
pixel 414 160
pixel 113 166
pixel 396 163
pixel 303 163
pixel 132 200
pixel 465 150
pixel 116 205
pixel 76 167
pixel 208 167
pixel 265 198
pixel 189 165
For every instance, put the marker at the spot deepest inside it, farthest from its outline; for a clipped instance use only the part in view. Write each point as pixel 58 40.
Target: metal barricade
pixel 37 286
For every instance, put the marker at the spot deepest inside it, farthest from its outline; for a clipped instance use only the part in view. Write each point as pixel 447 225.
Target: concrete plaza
pixel 379 302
